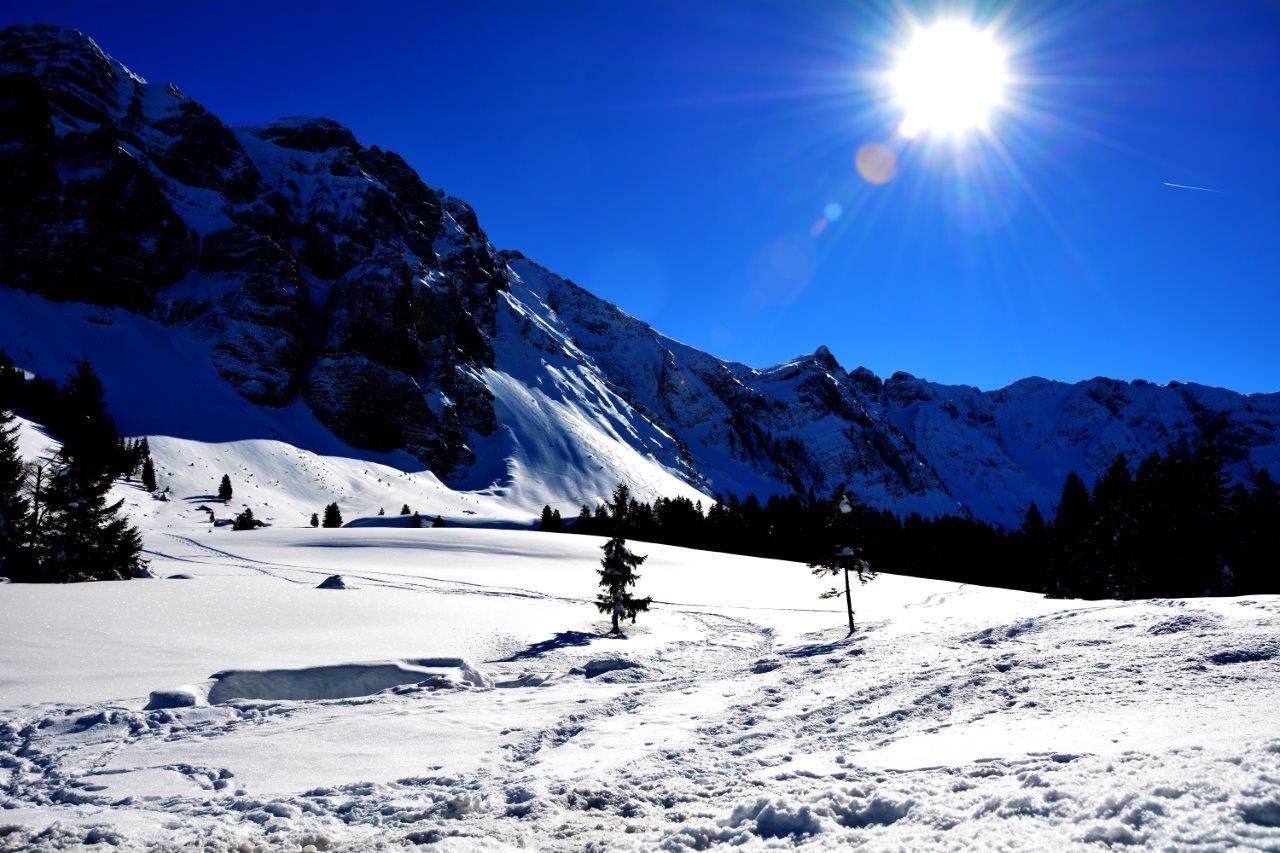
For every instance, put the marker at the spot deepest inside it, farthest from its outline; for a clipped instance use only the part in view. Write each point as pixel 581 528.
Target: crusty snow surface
pixel 458 686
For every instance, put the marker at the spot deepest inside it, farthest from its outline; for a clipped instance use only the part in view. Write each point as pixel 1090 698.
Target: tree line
pixel 1172 526
pixel 57 523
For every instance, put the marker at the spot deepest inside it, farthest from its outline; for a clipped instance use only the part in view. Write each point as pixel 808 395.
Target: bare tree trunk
pixel 848 601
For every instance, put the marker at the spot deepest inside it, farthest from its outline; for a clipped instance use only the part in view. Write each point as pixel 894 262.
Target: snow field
pixel 737 713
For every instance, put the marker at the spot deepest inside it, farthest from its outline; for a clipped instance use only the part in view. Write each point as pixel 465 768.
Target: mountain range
pixel 287 281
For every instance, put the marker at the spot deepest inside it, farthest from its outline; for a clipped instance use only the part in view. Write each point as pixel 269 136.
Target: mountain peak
pixel 822 355
pixel 36 48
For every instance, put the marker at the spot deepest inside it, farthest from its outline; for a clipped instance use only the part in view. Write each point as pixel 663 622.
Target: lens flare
pixel 876 163
pixel 949 79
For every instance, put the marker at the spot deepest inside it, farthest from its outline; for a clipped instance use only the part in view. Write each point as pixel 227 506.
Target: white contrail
pixel 1188 187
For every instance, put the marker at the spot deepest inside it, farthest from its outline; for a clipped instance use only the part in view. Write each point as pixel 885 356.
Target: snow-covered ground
pixel 461 689
pixel 958 716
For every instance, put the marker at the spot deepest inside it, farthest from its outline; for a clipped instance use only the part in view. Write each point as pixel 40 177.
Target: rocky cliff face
pixel 315 266
pixel 318 269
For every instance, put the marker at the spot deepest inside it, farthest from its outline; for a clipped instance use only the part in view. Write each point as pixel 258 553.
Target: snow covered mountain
pixel 286 282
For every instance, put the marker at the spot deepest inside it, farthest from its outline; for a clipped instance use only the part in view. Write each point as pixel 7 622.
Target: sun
pixel 949 79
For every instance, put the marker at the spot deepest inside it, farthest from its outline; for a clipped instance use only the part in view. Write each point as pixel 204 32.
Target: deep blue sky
pixel 674 158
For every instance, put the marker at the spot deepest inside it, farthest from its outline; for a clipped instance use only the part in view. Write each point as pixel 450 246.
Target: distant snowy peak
pixel 316 271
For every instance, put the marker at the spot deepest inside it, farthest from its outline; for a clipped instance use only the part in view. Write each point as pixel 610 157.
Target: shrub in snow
pixel 246 521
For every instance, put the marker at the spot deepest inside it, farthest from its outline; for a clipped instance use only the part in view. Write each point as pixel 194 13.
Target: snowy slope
pixel 957 718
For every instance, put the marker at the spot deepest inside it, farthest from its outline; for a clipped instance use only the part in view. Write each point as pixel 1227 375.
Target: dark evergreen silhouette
pixel 245 521
pixel 13 503
pixel 332 516
pixel 381 511
pixel 315 520
pixel 415 520
pixel 550 520
pixel 78 534
pixel 149 475
pixel 1169 527
pixel 404 510
pixel 618 568
pixel 439 522
pixel 224 489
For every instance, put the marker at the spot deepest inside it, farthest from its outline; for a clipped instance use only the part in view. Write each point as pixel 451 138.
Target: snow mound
pixel 334 582
pixel 600 666
pixel 181 576
pixel 344 680
pixel 179 697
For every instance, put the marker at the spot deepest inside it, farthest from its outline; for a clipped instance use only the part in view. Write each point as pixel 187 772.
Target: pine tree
pixel 13 506
pixel 81 535
pixel 415 520
pixel 618 569
pixel 315 520
pixel 1034 536
pixel 148 475
pixel 439 522
pixel 1112 569
pixel 332 517
pixel 1071 526
pixel 404 510
pixel 244 521
pixel 381 511
pixel 224 489
pixel 551 521
pixel 842 559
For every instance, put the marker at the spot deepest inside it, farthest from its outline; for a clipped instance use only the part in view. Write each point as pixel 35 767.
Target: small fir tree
pixel 224 489
pixel 244 521
pixel 551 520
pixel 618 569
pixel 332 517
pixel 404 510
pixel 315 520
pixel 843 560
pixel 148 475
pixel 415 520
pixel 381 511
pixel 439 522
